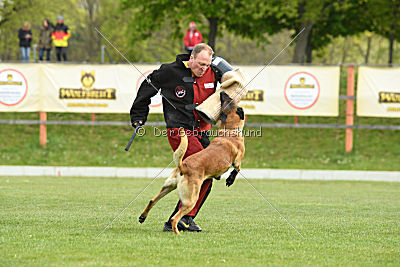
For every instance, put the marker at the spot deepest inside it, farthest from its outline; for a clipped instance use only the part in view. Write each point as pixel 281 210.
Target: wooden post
pixel 350 108
pixel 43 129
pixel 93 117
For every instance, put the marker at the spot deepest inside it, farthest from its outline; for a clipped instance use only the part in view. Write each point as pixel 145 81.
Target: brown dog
pixel 226 150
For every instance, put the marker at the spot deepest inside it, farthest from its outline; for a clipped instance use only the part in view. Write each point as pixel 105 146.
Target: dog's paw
pixel 229 181
pixel 231 178
pixel 142 218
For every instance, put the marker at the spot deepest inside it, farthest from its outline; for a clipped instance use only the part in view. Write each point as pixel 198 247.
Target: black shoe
pixel 167 227
pixel 187 224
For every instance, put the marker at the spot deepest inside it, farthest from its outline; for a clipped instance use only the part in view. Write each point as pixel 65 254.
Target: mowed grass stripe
pixel 54 221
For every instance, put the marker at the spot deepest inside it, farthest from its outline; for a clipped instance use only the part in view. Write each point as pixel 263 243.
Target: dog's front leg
pixel 232 176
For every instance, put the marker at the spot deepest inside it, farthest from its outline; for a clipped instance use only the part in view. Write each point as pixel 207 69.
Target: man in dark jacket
pixel 185 83
pixel 25 40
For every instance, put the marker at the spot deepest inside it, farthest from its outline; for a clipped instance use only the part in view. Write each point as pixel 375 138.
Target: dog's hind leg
pixel 169 185
pixel 189 195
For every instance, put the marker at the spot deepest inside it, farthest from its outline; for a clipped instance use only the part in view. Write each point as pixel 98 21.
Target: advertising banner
pixel 378 92
pixel 19 87
pixel 276 90
pixel 292 90
pixel 91 88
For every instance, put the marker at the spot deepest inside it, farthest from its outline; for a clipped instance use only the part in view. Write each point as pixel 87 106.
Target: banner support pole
pixel 43 128
pixel 350 108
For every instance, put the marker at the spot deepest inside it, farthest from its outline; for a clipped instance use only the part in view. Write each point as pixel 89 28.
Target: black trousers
pixel 61 51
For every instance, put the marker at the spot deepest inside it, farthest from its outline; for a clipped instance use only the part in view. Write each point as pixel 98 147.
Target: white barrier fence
pixel 117 172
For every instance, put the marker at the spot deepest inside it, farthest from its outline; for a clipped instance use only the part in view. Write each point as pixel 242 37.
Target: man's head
pixel 60 19
pixel 26 25
pixel 200 59
pixel 192 26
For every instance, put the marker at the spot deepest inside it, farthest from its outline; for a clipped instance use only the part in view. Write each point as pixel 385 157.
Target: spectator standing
pixel 60 37
pixel 25 40
pixel 192 37
pixel 45 39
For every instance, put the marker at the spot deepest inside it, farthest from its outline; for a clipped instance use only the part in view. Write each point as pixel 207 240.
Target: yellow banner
pixel 378 92
pixel 277 90
pixel 90 88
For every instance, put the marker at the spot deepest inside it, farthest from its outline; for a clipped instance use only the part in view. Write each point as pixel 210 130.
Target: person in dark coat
pixel 25 40
pixel 185 83
pixel 45 39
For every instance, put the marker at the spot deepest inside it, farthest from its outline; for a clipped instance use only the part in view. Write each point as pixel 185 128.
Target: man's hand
pixel 136 123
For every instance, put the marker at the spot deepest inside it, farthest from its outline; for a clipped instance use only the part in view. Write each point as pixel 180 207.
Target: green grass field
pixel 54 221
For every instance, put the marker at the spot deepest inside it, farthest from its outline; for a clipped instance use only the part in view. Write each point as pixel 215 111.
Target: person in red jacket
pixel 192 37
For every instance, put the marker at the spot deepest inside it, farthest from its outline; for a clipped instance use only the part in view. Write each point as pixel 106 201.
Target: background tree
pixel 244 31
pixel 235 16
pixel 323 21
pixel 385 18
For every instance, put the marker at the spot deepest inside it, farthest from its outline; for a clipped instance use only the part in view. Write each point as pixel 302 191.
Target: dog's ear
pixel 226 101
pixel 224 97
pixel 240 112
pixel 223 117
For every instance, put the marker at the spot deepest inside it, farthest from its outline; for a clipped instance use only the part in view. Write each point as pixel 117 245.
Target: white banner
pixel 19 87
pixel 378 92
pixel 292 90
pixel 277 90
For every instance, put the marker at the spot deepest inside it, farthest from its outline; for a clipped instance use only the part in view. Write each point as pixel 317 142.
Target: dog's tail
pixel 181 150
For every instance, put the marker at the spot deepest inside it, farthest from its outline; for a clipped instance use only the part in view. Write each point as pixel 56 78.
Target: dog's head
pixel 232 116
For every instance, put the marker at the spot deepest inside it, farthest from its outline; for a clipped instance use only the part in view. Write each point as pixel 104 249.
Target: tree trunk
pixel 92 46
pixel 368 49
pixel 391 41
pixel 392 33
pixel 300 49
pixel 309 48
pixel 213 22
pixel 344 50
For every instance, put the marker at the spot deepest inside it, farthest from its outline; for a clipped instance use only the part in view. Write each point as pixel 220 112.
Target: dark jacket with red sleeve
pixel 181 89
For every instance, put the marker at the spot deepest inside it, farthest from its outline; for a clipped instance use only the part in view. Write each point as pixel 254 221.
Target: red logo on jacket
pixel 180 91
